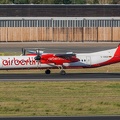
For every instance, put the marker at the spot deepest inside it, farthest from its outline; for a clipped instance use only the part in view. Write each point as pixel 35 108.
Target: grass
pixel 59 98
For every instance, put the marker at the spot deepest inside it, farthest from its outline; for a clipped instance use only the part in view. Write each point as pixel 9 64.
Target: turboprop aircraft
pixel 37 59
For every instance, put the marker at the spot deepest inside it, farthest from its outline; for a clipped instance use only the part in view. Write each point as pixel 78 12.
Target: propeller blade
pixel 23 51
pixel 39 53
pixel 35 52
pixel 30 51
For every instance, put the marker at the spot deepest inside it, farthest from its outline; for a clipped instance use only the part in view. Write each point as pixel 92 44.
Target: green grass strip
pixel 76 98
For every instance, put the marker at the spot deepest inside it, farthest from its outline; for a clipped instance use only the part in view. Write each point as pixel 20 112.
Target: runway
pixel 57 47
pixel 58 77
pixel 64 118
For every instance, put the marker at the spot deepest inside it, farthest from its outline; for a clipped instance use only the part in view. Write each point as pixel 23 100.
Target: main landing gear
pixel 47 71
pixel 62 72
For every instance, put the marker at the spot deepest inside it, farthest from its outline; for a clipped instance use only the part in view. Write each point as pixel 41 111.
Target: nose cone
pixel 0 63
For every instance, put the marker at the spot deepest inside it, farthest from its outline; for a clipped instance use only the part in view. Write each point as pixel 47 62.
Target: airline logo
pixel 17 62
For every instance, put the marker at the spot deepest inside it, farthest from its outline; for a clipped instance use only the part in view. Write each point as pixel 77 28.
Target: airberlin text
pixel 16 62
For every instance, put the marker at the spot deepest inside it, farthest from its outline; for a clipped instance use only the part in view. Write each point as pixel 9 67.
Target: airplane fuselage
pixel 86 60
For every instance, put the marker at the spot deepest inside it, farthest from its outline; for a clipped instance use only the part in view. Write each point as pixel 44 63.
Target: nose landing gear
pixel 62 72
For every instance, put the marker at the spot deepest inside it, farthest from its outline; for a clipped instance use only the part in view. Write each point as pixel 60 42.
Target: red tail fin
pixel 117 53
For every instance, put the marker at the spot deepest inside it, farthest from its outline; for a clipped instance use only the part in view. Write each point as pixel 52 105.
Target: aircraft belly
pixel 47 65
pixel 75 64
pixel 19 66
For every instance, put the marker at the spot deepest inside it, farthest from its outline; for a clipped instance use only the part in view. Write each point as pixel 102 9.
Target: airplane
pixel 37 59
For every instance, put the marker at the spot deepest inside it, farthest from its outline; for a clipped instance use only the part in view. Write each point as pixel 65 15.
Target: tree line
pixel 59 1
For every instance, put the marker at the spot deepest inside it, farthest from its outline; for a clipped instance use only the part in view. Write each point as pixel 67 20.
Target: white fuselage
pixel 88 59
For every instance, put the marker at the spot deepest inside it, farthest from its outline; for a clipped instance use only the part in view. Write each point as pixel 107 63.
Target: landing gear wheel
pixel 47 71
pixel 62 72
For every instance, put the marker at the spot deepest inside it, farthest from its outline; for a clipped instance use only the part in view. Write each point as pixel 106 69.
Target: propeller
pixel 23 51
pixel 39 53
pixel 36 51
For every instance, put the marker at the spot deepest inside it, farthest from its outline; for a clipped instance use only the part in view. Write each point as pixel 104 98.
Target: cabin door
pixel 88 60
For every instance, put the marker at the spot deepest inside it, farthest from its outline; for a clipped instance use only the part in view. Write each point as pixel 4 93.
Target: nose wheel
pixel 62 72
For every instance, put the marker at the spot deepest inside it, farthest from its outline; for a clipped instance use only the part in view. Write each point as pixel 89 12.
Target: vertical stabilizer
pixel 117 52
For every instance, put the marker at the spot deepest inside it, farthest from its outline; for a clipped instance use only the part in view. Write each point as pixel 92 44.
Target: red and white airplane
pixel 37 59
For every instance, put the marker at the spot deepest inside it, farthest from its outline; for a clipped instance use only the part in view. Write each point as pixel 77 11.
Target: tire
pixel 47 71
pixel 62 72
